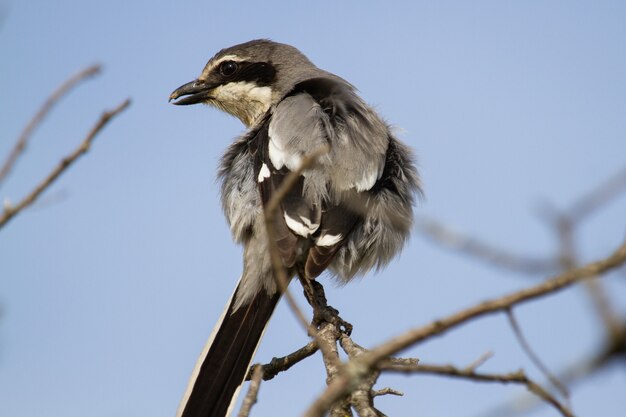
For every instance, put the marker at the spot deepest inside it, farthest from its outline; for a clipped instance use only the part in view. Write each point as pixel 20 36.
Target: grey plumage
pixel 350 213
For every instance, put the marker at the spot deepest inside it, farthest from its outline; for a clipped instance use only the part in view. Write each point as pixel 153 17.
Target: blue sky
pixel 110 286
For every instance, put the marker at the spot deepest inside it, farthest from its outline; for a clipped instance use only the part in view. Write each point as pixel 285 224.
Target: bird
pixel 348 213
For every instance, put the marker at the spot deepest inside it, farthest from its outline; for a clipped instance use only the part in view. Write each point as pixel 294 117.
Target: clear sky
pixel 110 286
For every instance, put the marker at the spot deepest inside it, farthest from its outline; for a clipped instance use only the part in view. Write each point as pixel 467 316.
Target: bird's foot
pixel 322 312
pixel 328 314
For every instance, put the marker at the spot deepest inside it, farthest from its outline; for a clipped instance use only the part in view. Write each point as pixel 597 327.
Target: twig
pixel 479 362
pixel 572 374
pixel 518 377
pixel 10 211
pixel 468 245
pixel 354 368
pixel 517 330
pixel 599 196
pixel 278 365
pixel 253 392
pixel 386 391
pixel 565 227
pixel 20 144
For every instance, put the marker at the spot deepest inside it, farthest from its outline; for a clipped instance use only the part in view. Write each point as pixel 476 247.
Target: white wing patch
pixel 304 228
pixel 279 156
pixel 328 240
pixel 367 181
pixel 264 173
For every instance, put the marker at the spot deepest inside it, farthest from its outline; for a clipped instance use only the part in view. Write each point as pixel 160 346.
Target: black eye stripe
pixel 262 73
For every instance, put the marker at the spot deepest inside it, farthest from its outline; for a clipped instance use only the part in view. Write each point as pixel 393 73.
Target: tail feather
pixel 224 363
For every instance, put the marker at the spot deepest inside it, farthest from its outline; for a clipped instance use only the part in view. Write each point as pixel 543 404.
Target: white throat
pixel 245 100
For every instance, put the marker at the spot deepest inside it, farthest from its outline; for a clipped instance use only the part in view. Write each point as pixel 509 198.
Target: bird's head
pixel 246 80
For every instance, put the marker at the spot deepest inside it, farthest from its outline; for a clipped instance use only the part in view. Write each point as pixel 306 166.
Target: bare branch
pixel 473 247
pixel 386 391
pixel 518 377
pixel 11 211
pixel 550 286
pixel 565 226
pixel 253 392
pixel 479 362
pixel 599 196
pixel 517 330
pixel 361 365
pixel 20 144
pixel 572 374
pixel 278 365
pixel 362 390
pixel 326 339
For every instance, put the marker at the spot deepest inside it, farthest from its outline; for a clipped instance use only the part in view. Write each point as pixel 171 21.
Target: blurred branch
pixel 565 224
pixel 253 391
pixel 573 374
pixel 598 197
pixel 355 368
pixel 10 211
pixel 518 377
pixel 20 144
pixel 445 236
pixel 479 362
pixel 517 330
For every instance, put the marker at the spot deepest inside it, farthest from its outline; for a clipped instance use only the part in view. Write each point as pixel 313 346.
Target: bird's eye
pixel 228 68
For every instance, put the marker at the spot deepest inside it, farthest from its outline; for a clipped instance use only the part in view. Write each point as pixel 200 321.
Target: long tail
pixel 221 369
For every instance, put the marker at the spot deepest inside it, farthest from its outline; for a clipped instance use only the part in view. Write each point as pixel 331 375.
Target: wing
pixel 319 212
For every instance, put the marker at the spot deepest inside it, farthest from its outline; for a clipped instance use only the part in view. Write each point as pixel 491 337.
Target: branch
pixel 499 304
pixel 10 211
pixel 278 365
pixel 599 196
pixel 473 247
pixel 362 393
pixel 20 145
pixel 517 330
pixel 360 366
pixel 579 369
pixel 253 392
pixel 518 377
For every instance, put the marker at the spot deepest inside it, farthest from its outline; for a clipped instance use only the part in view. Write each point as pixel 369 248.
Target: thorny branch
pixel 20 144
pixel 10 211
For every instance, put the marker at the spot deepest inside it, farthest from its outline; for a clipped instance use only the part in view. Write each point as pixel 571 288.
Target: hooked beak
pixel 195 92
